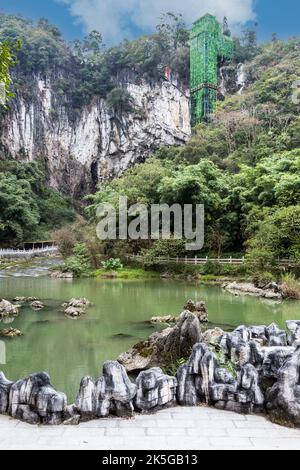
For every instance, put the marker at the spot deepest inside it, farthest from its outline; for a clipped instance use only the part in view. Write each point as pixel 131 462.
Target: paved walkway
pixel 172 429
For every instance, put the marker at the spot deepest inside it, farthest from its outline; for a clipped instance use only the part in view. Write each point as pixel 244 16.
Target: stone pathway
pixel 172 429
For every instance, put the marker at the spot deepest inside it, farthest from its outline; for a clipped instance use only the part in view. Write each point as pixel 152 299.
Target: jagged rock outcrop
pixel 35 401
pixel 154 390
pixel 112 393
pixel 294 331
pixel 160 347
pixel 203 380
pixel 283 399
pixel 98 144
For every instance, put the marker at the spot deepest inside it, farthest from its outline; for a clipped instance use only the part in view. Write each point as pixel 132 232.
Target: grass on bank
pixel 126 273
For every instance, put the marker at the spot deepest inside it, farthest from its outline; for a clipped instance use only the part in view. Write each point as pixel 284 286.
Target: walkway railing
pixel 202 261
pixel 16 254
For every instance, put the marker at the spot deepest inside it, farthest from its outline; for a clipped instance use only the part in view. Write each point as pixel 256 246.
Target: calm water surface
pixel 70 349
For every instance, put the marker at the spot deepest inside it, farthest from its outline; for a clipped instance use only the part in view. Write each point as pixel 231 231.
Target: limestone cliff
pixel 98 144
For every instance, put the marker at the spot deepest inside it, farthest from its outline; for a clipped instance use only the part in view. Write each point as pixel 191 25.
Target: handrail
pixel 200 261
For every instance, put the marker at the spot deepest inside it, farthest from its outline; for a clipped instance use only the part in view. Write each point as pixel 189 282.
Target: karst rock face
pixel 98 144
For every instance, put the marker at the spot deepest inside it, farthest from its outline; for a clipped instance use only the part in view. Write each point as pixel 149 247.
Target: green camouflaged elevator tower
pixel 208 45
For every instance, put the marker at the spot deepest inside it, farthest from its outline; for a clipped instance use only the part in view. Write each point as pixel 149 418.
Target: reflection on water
pixel 70 349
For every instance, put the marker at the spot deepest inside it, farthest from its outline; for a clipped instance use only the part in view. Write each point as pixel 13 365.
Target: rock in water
pixel 10 333
pixel 159 348
pixel 199 308
pixel 111 393
pixel 166 319
pixel 37 305
pixel 7 309
pixel 155 390
pixel 34 400
pixel 76 307
pixel 283 399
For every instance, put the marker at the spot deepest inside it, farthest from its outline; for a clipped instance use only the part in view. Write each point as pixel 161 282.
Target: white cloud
pixel 117 18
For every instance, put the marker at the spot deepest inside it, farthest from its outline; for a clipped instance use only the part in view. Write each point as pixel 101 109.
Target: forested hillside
pixel 243 164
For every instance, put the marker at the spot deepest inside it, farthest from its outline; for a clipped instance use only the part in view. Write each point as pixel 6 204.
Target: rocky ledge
pixel 270 291
pixel 249 370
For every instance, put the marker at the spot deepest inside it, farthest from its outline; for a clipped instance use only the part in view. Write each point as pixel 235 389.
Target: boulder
pixel 25 299
pixel 293 327
pixel 273 359
pixel 76 307
pixel 61 275
pixel 111 393
pixel 199 308
pixel 283 399
pixel 275 336
pixel 34 400
pixel 203 380
pixel 160 348
pixel 213 335
pixel 155 390
pixel 5 386
pixel 37 305
pixel 10 333
pixel 7 309
pixel 73 312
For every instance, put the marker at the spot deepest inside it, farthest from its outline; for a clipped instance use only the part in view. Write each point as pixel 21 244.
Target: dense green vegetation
pixel 244 165
pixel 28 209
pixel 87 68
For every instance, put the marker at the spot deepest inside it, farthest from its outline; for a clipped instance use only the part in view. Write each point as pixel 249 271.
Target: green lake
pixel 70 349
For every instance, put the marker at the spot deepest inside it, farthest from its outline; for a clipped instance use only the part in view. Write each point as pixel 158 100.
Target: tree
pixel 7 60
pixel 173 29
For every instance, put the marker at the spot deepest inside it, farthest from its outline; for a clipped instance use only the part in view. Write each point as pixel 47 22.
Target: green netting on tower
pixel 208 44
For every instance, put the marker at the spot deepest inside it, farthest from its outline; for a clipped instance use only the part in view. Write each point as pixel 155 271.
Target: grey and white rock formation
pixel 7 309
pixel 112 393
pixel 199 308
pixel 155 390
pixel 283 399
pixel 248 288
pixel 252 369
pixel 35 401
pixel 202 379
pixel 160 347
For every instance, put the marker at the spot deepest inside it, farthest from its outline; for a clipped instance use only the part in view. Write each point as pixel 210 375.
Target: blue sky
pixel 128 18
